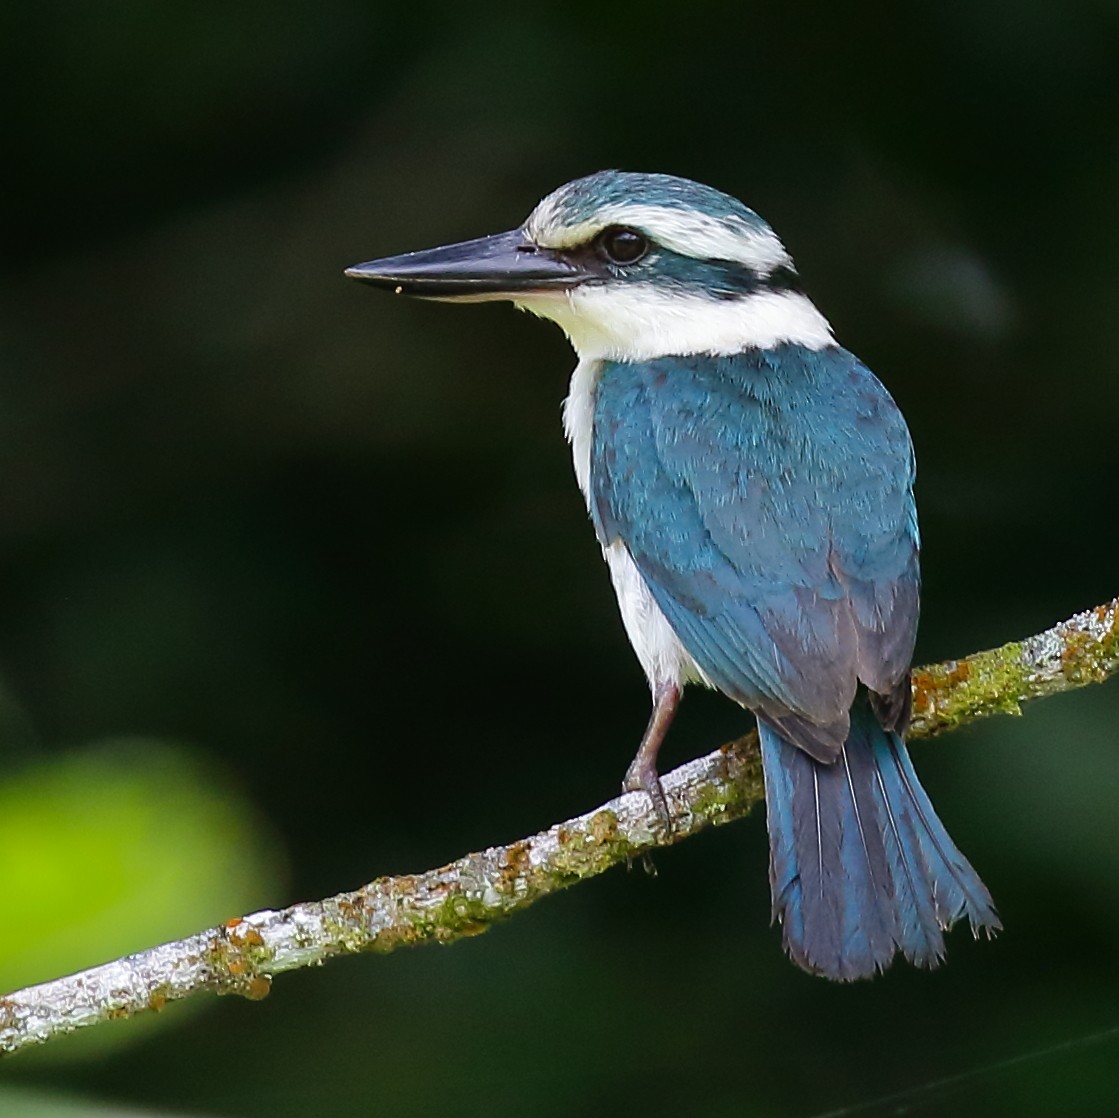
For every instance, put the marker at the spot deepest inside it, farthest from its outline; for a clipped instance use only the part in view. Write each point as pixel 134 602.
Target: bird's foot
pixel 642 776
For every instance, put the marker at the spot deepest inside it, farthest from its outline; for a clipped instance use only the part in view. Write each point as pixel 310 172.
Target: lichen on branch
pixel 463 898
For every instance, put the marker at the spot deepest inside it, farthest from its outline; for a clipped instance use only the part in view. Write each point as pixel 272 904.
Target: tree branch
pixel 465 897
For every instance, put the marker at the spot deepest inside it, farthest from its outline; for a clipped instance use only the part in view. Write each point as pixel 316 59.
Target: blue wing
pixel 766 498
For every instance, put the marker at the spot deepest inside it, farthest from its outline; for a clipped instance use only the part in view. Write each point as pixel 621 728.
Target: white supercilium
pixel 684 231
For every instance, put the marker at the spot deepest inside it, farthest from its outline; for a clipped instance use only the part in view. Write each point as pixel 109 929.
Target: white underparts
pixel 578 420
pixel 640 321
pixel 659 651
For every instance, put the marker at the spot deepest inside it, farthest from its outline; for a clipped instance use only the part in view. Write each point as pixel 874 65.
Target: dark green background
pixel 331 539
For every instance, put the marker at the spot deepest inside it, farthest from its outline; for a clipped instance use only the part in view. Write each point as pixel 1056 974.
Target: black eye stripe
pixel 718 279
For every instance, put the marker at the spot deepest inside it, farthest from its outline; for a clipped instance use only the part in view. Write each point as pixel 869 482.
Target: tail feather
pixel 963 894
pixel 860 866
pixel 874 919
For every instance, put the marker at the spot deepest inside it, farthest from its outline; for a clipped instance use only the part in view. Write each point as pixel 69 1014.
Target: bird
pixel 750 482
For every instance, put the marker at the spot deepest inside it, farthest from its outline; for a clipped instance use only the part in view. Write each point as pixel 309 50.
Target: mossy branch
pixel 464 898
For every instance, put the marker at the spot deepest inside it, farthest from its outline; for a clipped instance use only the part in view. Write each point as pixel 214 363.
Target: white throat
pixel 641 321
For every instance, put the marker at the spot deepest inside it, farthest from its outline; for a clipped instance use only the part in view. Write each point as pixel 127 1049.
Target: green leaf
pixel 120 846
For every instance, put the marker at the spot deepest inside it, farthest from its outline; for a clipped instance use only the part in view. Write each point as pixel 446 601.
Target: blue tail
pixel 859 865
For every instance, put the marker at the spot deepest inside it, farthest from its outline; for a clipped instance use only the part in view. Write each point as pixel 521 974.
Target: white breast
pixel 659 651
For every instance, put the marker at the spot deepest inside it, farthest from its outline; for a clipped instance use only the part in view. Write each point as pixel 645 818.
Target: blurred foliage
pixel 118 846
pixel 333 538
pixel 50 1104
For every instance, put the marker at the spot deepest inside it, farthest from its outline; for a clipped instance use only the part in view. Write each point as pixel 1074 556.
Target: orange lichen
pixel 603 826
pixel 249 938
pixel 465 930
pixel 257 988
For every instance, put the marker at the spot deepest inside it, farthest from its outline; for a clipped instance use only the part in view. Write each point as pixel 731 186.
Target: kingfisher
pixel 751 485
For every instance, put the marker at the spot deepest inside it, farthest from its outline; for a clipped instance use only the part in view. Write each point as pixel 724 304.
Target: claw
pixel 641 776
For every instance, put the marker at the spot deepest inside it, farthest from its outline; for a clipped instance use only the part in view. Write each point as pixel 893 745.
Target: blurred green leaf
pixel 40 1104
pixel 119 846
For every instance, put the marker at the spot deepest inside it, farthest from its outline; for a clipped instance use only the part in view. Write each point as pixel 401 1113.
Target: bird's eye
pixel 620 245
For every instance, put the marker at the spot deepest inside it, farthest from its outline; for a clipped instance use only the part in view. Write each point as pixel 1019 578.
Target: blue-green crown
pixel 700 238
pixel 579 200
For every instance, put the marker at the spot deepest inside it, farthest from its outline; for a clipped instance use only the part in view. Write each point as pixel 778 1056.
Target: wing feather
pixel 766 499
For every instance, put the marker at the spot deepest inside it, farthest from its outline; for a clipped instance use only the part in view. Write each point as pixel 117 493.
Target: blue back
pixel 766 498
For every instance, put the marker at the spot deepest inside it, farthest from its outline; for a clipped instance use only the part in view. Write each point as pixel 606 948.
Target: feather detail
pixel 860 866
pixel 765 498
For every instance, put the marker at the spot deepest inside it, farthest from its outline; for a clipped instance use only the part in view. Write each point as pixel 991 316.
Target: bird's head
pixel 631 266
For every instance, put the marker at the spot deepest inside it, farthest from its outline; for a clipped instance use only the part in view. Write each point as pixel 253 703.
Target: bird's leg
pixel 641 776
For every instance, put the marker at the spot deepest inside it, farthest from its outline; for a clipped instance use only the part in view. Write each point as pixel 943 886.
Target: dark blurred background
pixel 296 587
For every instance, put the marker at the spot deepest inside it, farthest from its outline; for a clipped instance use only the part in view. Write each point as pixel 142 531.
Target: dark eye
pixel 620 245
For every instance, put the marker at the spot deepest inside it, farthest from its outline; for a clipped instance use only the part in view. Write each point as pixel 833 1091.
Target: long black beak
pixel 502 266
